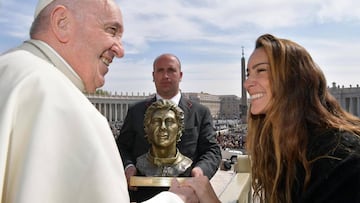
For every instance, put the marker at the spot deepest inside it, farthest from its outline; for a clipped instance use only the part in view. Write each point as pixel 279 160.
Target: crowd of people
pixel 232 140
pixel 115 127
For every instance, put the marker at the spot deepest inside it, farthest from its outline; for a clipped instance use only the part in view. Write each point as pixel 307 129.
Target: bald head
pixel 167 55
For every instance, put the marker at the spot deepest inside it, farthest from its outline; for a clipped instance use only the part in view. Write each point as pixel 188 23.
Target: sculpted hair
pixel 163 104
pixel 301 101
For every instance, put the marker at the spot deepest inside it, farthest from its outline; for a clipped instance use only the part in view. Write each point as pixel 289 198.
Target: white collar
pixel 47 53
pixel 175 99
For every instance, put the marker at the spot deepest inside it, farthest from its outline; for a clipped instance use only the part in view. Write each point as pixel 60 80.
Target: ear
pixel 181 75
pixel 60 23
pixel 153 76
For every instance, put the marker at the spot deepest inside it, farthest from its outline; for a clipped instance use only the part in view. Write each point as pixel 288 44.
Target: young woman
pixel 304 147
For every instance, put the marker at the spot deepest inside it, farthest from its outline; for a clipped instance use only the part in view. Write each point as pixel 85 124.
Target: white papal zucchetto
pixel 41 5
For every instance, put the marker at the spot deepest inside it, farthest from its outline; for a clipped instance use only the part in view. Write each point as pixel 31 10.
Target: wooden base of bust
pixel 141 181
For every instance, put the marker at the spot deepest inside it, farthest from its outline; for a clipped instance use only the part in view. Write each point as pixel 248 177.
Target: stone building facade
pixel 229 107
pixel 114 107
pixel 349 97
pixel 211 101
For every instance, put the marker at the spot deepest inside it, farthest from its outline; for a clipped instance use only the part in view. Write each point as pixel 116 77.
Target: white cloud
pixel 334 10
pixel 208 36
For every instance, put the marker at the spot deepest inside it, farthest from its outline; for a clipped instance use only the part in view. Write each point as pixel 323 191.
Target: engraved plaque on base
pixel 141 181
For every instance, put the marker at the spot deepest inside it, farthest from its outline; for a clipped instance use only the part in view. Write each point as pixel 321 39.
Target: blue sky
pixel 208 36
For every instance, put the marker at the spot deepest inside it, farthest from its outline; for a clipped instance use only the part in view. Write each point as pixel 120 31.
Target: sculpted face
pixel 163 126
pixel 163 129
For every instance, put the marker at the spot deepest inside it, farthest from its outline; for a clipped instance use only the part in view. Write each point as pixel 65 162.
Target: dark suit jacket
pixel 198 141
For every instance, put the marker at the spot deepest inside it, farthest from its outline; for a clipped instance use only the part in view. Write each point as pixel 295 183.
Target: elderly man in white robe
pixel 55 147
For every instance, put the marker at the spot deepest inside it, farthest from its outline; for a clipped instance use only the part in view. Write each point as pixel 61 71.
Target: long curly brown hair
pixel 277 141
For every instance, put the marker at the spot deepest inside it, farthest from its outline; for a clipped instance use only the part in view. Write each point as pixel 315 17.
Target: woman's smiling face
pixel 257 83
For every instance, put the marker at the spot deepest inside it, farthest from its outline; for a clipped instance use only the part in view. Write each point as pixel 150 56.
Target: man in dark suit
pixel 198 141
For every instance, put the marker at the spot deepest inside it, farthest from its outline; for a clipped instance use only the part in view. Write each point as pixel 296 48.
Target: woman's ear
pixel 61 23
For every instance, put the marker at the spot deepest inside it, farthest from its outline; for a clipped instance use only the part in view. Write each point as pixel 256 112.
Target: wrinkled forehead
pixel 104 8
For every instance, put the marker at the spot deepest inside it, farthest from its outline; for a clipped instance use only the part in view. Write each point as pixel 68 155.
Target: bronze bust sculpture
pixel 163 123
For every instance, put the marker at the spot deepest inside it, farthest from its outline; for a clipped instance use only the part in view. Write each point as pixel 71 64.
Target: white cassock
pixel 55 147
